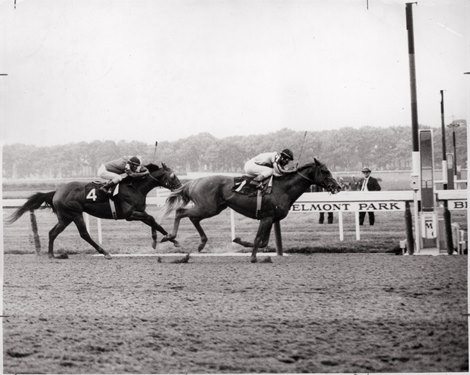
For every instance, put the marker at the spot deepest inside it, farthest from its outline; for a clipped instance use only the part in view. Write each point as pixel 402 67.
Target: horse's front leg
pixel 176 224
pixel 262 236
pixel 82 229
pixel 152 223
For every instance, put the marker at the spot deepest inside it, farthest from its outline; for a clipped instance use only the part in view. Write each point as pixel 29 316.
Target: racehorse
pixel 210 195
pixel 71 200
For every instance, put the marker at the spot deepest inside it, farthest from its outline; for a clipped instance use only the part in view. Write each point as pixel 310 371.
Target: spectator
pixel 368 184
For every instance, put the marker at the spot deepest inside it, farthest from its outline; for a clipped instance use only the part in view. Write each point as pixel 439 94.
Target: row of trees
pixel 346 149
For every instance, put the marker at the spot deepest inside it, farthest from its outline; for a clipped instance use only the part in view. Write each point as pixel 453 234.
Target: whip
pixel 301 149
pixel 155 150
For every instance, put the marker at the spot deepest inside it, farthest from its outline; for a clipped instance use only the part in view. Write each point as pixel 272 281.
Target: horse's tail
pixel 177 198
pixel 34 202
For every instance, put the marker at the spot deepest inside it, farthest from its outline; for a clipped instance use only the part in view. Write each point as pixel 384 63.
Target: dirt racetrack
pixel 317 313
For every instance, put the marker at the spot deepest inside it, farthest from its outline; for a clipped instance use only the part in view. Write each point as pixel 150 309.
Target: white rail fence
pixel 341 203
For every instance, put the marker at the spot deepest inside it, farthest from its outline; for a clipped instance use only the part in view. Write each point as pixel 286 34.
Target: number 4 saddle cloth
pixel 95 191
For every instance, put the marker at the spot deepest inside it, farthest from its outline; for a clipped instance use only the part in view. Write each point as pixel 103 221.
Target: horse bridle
pixel 306 177
pixel 170 186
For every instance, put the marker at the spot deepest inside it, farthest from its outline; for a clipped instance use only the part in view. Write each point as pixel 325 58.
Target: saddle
pixel 99 184
pixel 242 185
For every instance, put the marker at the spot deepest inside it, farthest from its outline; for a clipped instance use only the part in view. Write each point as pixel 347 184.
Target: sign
pixel 306 206
pixel 457 205
pixel 429 225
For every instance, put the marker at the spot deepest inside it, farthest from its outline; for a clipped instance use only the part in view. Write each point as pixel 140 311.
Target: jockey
pixel 267 164
pixel 116 170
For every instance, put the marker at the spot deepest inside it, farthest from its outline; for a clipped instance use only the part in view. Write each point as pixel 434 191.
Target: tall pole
pixel 414 101
pixel 444 152
pixel 414 118
pixel 446 213
pixel 455 149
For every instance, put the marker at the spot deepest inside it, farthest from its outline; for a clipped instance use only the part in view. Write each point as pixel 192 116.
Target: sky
pixel 146 70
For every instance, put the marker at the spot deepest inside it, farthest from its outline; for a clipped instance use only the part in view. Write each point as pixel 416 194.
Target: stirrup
pixel 256 184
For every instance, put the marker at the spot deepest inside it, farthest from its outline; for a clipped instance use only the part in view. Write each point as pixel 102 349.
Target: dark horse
pixel 211 195
pixel 71 200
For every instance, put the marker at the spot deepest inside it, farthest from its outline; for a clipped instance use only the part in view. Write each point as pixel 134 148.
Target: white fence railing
pixel 341 203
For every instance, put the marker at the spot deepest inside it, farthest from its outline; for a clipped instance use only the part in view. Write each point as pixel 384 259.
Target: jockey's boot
pixel 108 187
pixel 257 182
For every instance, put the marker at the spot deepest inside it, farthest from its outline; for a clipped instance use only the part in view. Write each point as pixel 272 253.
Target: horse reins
pixel 306 177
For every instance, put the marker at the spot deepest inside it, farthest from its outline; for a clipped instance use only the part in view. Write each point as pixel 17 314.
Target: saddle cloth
pixel 96 185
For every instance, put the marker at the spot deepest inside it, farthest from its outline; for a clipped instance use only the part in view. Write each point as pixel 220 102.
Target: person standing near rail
pixel 368 183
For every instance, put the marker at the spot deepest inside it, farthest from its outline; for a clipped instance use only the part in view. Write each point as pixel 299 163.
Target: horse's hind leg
pixel 262 236
pixel 180 213
pixel 197 224
pixel 195 214
pixel 54 232
pixel 80 223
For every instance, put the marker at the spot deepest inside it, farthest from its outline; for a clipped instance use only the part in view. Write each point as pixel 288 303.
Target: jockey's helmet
pixel 287 154
pixel 135 161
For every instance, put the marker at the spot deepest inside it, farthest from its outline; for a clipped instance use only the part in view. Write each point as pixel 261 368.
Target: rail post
pixel 34 227
pixel 409 229
pixel 448 229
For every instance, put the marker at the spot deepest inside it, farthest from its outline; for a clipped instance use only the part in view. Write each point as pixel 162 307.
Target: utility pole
pixel 414 101
pixel 414 133
pixel 443 136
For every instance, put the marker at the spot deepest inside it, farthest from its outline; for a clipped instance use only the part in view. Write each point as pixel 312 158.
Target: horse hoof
pixel 253 260
pixel 176 243
pixel 168 237
pixel 107 256
pixel 154 245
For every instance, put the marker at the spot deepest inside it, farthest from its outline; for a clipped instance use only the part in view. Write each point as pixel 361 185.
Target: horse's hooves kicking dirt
pixel 168 238
pixel 183 260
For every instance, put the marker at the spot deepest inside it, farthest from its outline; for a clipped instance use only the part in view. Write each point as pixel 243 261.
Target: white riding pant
pixel 107 175
pixel 253 169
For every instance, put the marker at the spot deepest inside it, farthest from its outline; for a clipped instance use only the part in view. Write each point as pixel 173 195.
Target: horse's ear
pixel 316 160
pixel 164 166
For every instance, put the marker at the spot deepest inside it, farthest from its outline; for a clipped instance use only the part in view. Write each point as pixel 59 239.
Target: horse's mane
pixel 308 165
pixel 152 167
pixel 314 164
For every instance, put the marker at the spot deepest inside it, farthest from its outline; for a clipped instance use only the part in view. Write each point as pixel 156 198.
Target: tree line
pixel 345 149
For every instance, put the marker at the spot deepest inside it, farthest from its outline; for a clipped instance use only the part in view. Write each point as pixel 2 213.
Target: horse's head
pixel 319 174
pixel 164 176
